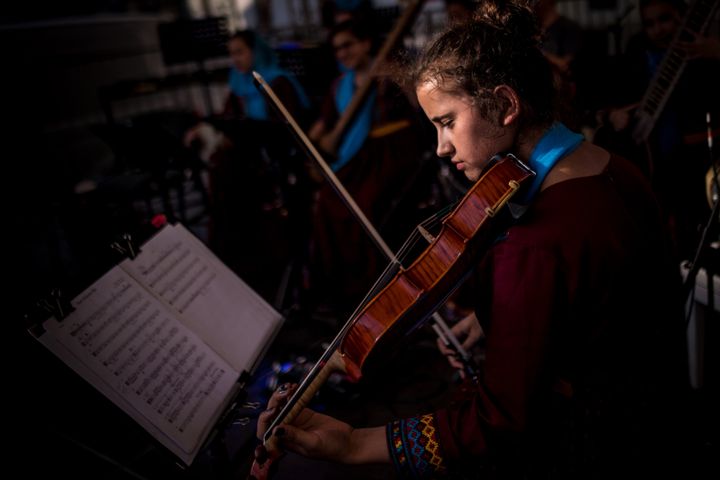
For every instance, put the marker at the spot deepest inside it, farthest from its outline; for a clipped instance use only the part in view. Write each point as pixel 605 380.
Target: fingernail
pixel 270 410
pixel 260 454
pixel 283 388
pixel 279 432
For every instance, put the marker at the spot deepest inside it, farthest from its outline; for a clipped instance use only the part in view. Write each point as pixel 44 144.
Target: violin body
pixel 417 291
pixel 414 293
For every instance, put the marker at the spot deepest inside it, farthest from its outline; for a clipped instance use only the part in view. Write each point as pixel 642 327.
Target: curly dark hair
pixel 500 46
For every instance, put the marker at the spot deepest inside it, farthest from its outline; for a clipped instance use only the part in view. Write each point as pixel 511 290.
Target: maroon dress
pixel 584 342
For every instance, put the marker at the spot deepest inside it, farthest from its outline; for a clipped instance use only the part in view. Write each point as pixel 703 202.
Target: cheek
pixel 472 149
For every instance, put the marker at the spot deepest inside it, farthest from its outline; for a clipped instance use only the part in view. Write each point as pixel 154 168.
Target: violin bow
pixel 439 326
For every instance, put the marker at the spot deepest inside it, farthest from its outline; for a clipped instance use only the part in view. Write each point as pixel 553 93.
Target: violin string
pixel 383 280
pixel 410 243
pixel 387 274
pixel 392 267
pixel 428 224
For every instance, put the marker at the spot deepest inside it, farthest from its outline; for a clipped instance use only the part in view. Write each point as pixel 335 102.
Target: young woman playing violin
pixel 579 303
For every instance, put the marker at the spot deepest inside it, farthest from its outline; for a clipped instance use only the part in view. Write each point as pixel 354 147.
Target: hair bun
pixel 512 17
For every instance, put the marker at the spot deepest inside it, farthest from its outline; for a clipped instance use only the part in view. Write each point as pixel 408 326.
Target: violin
pixel 402 304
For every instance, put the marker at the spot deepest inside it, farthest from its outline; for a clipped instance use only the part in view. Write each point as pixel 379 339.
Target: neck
pixel 527 139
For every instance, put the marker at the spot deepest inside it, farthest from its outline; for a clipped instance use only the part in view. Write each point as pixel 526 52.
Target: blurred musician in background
pixel 371 159
pixel 257 175
pixel 675 155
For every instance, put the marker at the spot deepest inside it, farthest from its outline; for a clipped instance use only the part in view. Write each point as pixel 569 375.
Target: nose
pixel 444 147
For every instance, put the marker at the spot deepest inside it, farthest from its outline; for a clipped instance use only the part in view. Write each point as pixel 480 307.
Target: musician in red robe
pixel 371 160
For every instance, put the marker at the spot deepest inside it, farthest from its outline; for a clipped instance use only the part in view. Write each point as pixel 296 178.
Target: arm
pixel 518 315
pixel 316 435
pixel 321 436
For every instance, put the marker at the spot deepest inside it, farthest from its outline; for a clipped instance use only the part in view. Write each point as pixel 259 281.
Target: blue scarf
pixel 557 142
pixel 358 131
pixel 241 84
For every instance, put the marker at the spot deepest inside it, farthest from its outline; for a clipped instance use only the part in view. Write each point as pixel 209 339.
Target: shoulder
pixel 587 160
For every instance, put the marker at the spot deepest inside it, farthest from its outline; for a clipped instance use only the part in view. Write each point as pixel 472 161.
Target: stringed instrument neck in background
pixel 695 23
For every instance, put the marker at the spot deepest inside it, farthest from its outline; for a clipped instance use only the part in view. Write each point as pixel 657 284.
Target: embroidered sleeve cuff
pixel 414 447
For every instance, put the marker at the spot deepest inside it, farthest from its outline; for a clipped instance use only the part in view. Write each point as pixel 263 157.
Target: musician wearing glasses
pixel 371 157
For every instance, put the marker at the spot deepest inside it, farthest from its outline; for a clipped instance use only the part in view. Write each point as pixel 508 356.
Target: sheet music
pixel 126 342
pixel 208 297
pixel 166 336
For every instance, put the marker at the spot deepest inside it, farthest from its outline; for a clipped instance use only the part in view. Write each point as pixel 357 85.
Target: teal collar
pixel 557 142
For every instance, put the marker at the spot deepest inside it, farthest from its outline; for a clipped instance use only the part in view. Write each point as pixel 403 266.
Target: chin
pixel 472 176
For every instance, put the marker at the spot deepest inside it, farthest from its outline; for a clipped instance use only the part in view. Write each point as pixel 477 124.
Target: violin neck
pixel 305 392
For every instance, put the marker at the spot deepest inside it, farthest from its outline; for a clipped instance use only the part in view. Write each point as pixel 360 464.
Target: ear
pixel 510 111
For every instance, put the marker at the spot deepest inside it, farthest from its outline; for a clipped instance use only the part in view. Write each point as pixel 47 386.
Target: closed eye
pixel 444 121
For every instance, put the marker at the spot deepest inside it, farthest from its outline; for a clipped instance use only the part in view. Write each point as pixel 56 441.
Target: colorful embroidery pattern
pixel 414 447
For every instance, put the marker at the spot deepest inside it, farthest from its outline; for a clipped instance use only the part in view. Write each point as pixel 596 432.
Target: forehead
pixel 342 36
pixel 237 44
pixel 658 11
pixel 432 90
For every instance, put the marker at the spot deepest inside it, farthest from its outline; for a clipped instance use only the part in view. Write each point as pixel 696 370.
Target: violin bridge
pixel 426 235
